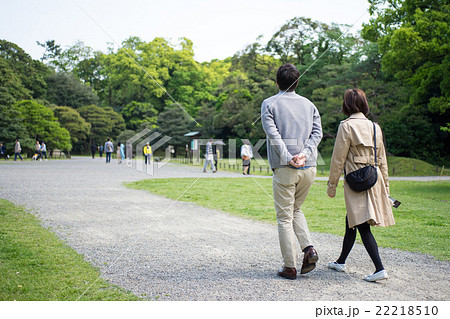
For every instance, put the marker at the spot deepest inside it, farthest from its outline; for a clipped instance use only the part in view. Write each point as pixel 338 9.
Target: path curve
pixel 194 253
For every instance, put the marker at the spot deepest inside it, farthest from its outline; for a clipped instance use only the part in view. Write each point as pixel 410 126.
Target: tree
pixel 11 87
pixel 137 114
pixel 105 122
pixel 52 50
pixel 174 123
pixel 90 71
pixel 41 124
pixel 125 136
pixel 412 36
pixel 64 89
pixel 64 60
pixel 77 126
pixel 12 127
pixel 22 73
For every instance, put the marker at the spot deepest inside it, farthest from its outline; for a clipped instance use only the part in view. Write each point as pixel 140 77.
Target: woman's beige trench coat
pixel 354 149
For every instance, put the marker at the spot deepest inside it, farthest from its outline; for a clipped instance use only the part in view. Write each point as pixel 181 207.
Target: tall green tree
pixel 12 127
pixel 66 90
pixel 77 126
pixel 174 123
pixel 413 40
pixel 42 125
pixel 24 77
pixel 137 114
pixel 105 122
pixel 52 50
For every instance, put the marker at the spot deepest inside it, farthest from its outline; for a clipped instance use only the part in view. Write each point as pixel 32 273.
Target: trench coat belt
pixel 365 159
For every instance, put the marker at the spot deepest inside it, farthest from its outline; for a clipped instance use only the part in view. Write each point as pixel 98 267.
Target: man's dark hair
pixel 287 77
pixel 355 101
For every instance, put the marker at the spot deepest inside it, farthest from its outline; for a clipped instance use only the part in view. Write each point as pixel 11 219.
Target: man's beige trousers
pixel 290 188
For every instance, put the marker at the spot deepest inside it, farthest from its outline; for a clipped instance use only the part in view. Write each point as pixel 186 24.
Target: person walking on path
pixel 147 153
pixel 100 151
pixel 122 151
pixel 44 151
pixel 119 157
pixel 354 149
pixel 294 130
pixel 247 155
pixel 17 150
pixel 93 149
pixel 38 154
pixel 209 157
pixel 3 151
pixel 109 148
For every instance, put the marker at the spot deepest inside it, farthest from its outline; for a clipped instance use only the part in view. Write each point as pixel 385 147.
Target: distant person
pixel 93 149
pixel 43 151
pixel 3 152
pixel 129 149
pixel 17 150
pixel 109 148
pixel 119 156
pixel 37 152
pixel 216 154
pixel 294 130
pixel 147 153
pixel 209 157
pixel 246 155
pixel 122 151
pixel 100 150
pixel 354 149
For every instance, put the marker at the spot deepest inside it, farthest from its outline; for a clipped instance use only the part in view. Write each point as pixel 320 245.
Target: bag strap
pixel 375 142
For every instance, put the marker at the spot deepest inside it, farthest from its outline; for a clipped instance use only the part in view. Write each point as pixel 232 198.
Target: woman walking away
pixel 353 150
pixel 119 156
pixel 122 151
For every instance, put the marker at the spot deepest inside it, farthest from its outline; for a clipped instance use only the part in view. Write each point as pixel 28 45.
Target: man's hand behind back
pixel 298 160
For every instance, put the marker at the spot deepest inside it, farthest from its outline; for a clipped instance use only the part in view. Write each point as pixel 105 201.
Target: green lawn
pixel 36 265
pixel 421 221
pixel 398 166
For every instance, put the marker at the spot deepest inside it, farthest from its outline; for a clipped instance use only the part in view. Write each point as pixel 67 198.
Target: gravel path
pixel 179 251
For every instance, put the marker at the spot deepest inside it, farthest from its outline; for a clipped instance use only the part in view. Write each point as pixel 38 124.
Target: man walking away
pixel 93 149
pixel 44 151
pixel 209 157
pixel 3 151
pixel 109 148
pixel 293 129
pixel 17 150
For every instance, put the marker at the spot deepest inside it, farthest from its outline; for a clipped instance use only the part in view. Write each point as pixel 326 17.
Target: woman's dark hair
pixel 287 77
pixel 355 101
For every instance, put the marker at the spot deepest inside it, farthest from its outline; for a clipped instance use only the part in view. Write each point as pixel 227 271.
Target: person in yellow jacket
pixel 147 153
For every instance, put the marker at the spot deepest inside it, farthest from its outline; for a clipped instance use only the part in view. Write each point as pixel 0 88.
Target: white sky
pixel 218 29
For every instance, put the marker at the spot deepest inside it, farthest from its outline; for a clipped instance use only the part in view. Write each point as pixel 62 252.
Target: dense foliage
pixel 401 60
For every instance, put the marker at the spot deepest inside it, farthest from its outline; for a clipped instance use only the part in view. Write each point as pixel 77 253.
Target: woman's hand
pixel 331 192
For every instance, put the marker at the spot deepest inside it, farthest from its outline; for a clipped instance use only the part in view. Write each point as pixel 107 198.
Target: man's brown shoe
pixel 309 260
pixel 288 273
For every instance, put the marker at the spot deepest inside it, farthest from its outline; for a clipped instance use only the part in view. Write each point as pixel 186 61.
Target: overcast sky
pixel 218 28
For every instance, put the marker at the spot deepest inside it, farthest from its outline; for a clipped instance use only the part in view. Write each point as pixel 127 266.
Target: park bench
pixel 58 154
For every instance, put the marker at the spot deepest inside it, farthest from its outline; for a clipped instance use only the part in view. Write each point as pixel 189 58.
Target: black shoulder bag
pixel 364 178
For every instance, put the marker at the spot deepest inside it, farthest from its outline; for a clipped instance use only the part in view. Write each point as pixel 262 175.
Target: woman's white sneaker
pixel 382 274
pixel 338 267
